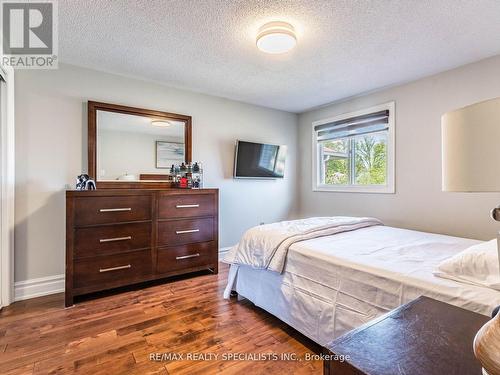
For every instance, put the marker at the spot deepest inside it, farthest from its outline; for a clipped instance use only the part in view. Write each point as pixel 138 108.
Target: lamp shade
pixel 471 147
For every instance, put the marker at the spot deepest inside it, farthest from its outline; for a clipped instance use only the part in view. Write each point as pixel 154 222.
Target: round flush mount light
pixel 161 123
pixel 276 37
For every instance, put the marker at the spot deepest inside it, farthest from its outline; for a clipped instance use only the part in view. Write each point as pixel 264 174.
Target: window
pixel 354 152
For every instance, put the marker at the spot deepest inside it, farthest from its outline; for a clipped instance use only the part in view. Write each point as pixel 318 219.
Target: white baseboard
pixel 42 286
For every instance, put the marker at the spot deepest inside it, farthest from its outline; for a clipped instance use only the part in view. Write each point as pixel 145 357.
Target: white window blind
pixel 354 126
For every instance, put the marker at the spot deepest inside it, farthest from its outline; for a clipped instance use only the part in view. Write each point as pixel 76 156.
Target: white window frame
pixel 388 188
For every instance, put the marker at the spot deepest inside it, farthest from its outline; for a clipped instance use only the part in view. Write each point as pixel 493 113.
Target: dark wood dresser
pixel 424 336
pixel 117 237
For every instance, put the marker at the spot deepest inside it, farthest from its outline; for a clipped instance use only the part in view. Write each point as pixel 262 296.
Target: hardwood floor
pixel 117 333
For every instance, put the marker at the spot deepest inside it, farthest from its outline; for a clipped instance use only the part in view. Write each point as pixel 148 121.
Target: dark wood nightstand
pixel 424 336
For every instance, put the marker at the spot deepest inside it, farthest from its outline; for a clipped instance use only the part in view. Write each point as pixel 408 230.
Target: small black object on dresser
pixel 84 182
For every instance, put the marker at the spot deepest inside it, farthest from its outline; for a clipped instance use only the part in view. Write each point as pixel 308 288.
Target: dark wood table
pixel 423 337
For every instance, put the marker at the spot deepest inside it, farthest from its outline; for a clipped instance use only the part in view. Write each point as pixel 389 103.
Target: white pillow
pixel 476 265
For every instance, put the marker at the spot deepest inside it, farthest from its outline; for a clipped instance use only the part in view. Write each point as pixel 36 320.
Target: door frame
pixel 7 186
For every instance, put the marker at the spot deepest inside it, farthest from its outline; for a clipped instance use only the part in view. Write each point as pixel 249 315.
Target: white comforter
pixel 333 284
pixel 266 246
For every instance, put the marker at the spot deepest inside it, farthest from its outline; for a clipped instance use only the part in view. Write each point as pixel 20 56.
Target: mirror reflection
pixel 136 148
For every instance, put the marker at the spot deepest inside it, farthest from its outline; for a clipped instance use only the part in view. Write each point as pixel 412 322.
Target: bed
pixel 335 283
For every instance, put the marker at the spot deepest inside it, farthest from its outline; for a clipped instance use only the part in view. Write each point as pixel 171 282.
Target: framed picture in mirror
pixel 168 153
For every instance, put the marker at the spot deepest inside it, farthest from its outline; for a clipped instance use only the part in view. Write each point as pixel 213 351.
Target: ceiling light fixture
pixel 161 123
pixel 276 37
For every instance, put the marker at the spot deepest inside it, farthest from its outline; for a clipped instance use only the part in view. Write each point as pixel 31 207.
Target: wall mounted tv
pixel 259 160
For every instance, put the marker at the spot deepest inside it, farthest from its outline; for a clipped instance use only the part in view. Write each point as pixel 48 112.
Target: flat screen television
pixel 259 160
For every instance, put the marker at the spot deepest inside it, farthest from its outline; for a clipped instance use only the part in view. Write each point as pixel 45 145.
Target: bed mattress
pixel 333 284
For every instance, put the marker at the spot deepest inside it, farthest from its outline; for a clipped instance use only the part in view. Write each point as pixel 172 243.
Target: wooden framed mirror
pixel 134 148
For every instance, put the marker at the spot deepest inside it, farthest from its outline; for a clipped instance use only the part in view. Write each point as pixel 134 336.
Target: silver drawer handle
pixel 115 268
pixel 186 231
pixel 115 209
pixel 187 206
pixel 188 256
pixel 115 239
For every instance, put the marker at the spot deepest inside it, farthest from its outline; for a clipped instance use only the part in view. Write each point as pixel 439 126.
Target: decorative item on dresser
pixel 117 237
pixel 84 182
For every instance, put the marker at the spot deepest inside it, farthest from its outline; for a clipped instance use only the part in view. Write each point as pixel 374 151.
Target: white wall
pixel 419 202
pixel 51 151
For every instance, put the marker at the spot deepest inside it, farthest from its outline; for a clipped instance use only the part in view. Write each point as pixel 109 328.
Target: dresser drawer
pixel 116 209
pixel 109 239
pixel 186 205
pixel 185 256
pixel 179 232
pixel 115 270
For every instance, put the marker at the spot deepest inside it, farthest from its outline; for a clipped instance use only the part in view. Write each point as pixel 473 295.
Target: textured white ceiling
pixel 345 47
